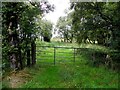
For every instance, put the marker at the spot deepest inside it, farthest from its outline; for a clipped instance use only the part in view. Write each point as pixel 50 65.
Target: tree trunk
pixel 46 39
pixel 33 52
pixel 20 58
pixel 13 61
pixel 71 38
pixel 101 38
pixel 28 57
pixel 12 23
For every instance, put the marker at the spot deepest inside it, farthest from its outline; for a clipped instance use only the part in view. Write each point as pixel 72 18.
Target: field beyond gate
pixel 50 54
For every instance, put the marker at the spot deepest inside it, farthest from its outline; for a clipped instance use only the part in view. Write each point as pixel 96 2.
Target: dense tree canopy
pixel 96 22
pixel 93 21
pixel 19 32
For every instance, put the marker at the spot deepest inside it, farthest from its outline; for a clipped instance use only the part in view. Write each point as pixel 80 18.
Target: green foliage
pixel 64 28
pixel 96 22
pixel 20 31
pixel 45 28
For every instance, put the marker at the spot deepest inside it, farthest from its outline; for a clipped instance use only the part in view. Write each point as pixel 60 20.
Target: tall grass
pixel 68 74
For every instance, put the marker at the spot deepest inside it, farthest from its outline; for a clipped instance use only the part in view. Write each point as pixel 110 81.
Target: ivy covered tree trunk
pixel 13 39
pixel 13 54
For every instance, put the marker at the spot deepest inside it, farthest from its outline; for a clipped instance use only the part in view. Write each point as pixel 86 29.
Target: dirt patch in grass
pixel 15 79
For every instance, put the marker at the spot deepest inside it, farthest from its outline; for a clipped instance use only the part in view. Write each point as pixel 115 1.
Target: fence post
pixel 54 54
pixel 74 54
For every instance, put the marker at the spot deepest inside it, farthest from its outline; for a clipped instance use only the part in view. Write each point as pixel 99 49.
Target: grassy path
pixel 69 74
pixel 72 76
pixel 66 73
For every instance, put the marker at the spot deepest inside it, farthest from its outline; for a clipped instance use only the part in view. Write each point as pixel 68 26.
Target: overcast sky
pixel 60 6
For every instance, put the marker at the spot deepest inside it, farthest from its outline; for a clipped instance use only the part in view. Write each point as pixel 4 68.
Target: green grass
pixel 66 73
pixel 70 74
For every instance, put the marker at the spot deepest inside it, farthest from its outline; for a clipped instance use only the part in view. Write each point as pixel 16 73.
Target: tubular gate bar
pixel 58 47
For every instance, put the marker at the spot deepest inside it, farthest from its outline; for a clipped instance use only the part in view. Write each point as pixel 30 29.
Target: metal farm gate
pixel 51 54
